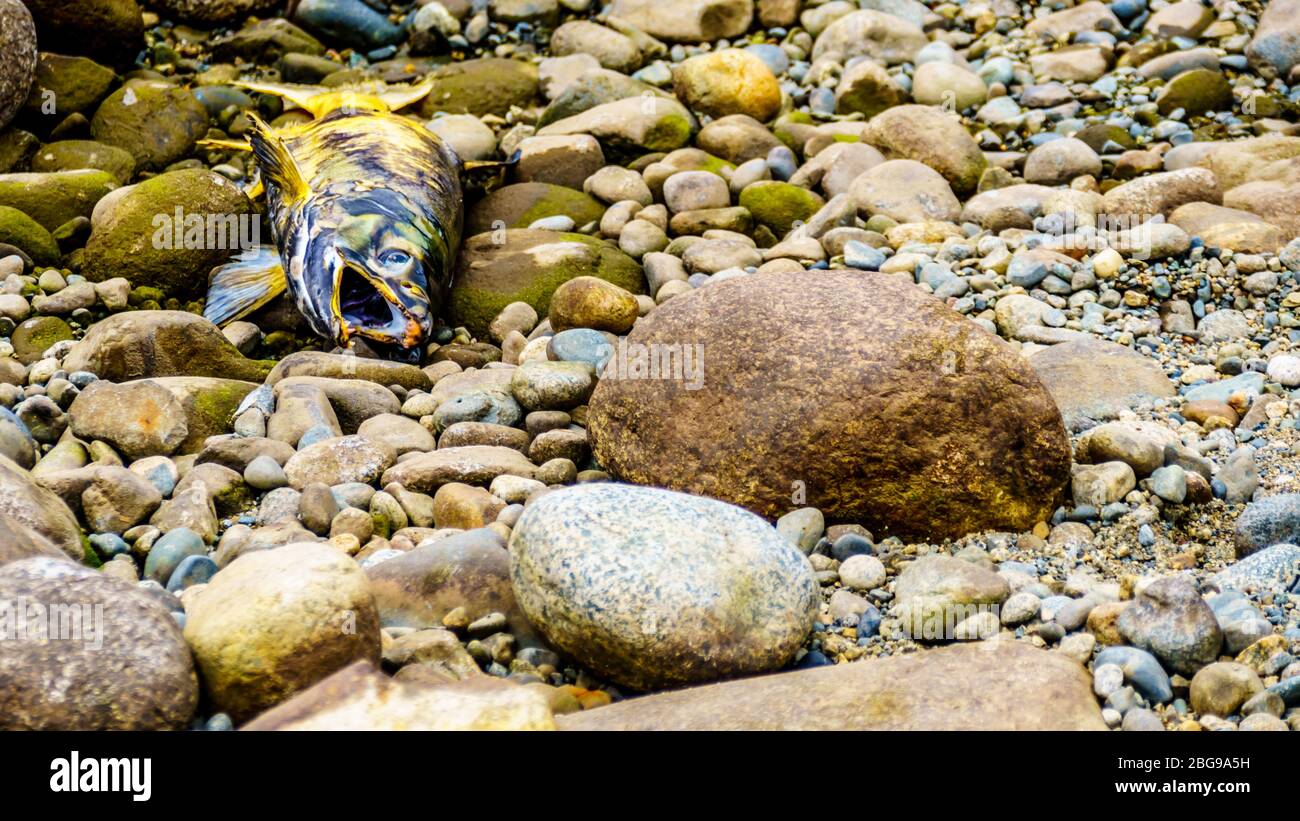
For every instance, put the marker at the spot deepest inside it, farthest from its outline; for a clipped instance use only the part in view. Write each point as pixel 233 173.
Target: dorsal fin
pixel 275 162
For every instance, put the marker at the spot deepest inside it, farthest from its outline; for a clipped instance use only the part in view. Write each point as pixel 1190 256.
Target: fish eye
pixel 394 257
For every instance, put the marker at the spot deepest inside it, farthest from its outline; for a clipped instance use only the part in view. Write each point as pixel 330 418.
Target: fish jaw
pixel 366 305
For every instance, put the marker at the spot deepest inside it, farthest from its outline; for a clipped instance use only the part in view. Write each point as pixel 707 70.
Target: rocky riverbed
pixel 937 360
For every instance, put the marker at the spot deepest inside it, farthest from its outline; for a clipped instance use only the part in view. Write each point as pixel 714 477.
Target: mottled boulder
pixel 120 665
pixel 159 123
pixel 20 542
pixel 992 685
pixel 1272 520
pixel 18 68
pixel 1094 379
pixel 338 461
pixel 471 464
pixel 527 267
pixel 144 344
pixel 873 422
pixel 274 622
pixel 1275 48
pixel 213 12
pixel 361 698
pixel 652 588
pixel 1170 619
pixel 170 231
pixel 138 419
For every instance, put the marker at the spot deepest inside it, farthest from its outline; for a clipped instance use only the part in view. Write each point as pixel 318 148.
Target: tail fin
pixel 319 100
pixel 243 285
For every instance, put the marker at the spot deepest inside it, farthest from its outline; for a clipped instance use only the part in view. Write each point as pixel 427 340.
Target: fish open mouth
pixel 365 311
pixel 360 302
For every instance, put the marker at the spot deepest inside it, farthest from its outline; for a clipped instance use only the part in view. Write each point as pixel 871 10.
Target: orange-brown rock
pixel 852 392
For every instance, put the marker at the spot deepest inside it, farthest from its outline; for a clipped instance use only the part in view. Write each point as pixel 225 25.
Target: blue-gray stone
pixel 109 545
pixel 191 571
pixel 1141 669
pixel 349 22
pixel 1250 383
pixel 494 406
pixel 1289 690
pixel 316 433
pixel 863 256
pixel 651 588
pixel 169 551
pixel 581 345
pixel 1170 484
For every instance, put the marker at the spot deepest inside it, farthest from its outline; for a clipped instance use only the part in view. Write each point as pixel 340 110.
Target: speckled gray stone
pixel 1272 570
pixel 18 68
pixel 1272 520
pixel 1170 619
pixel 652 588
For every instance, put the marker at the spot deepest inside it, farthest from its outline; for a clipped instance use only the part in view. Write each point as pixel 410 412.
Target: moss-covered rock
pixel 17 147
pixel 73 155
pixel 520 205
pixel 159 123
pixel 111 31
pixel 67 85
pixel 1196 92
pixel 779 205
pixel 265 42
pixel 527 266
pixel 487 86
pixel 594 89
pixel 209 404
pixel 33 337
pixel 170 231
pixel 54 198
pixel 21 231
pixel 150 344
pixel 649 123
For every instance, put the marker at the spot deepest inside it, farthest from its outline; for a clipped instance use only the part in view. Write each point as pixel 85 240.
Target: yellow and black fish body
pixel 365 209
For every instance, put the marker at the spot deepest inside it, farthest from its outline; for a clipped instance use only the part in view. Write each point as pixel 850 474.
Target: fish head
pixel 367 276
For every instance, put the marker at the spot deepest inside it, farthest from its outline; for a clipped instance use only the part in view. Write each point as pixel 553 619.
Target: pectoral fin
pixel 243 285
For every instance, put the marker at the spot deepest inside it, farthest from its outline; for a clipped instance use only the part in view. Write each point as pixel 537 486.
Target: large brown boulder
pixel 857 392
pixel 116 662
pixel 994 685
